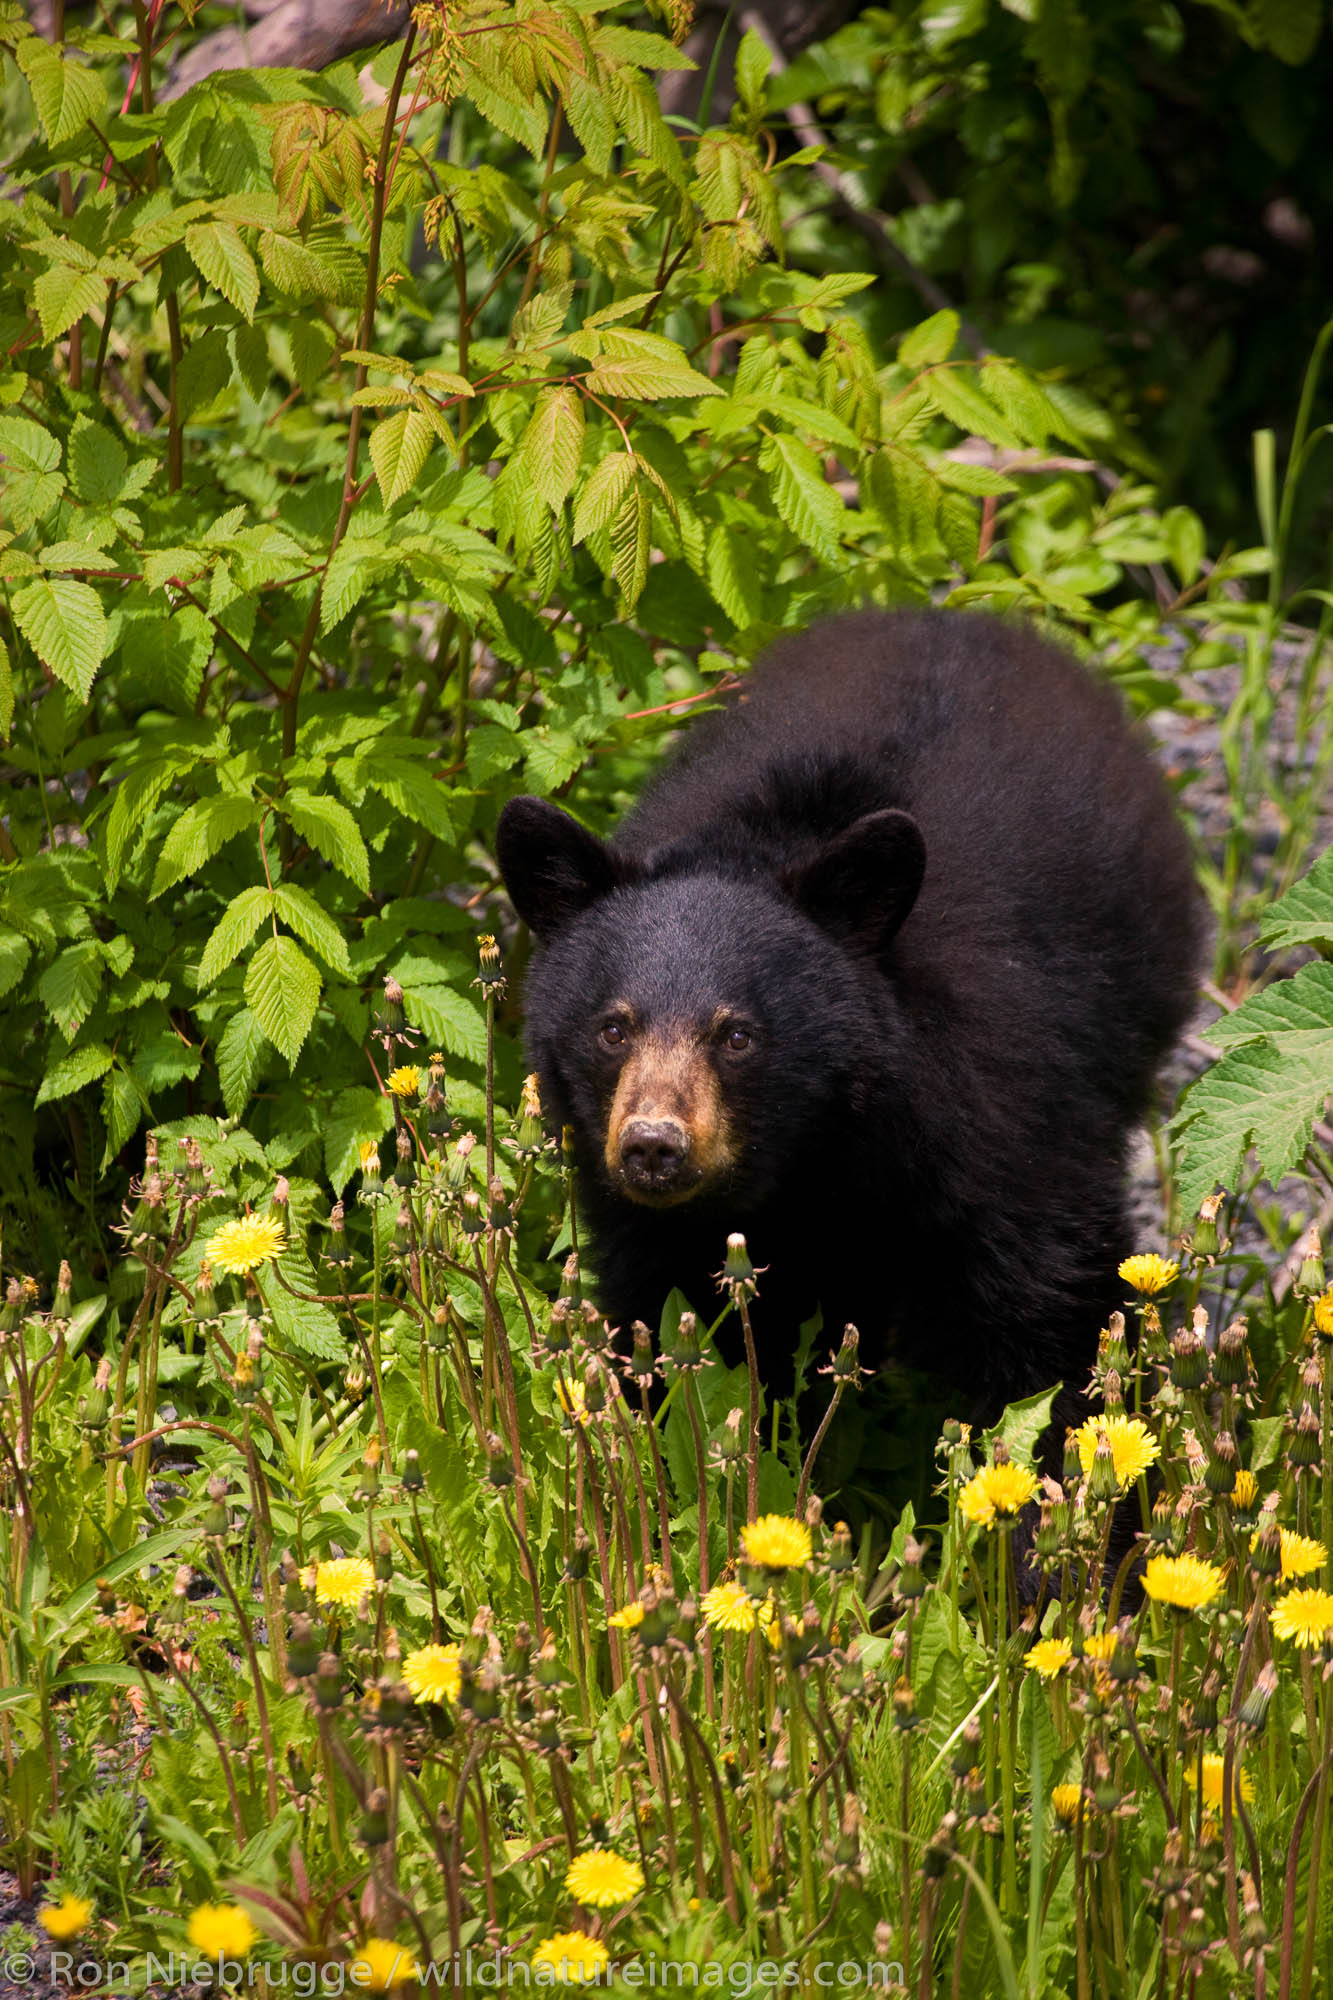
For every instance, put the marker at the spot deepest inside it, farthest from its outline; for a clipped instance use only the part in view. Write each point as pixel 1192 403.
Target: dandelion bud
pixel 911 1576
pixel 437 1328
pixel 302 1649
pixel 975 1803
pixel 659 1618
pixel 1114 1345
pixel 1303 1448
pixel 852 1678
pixel 414 1479
pixel 1231 1362
pixel 458 1164
pixel 329 1681
pixel 1123 1664
pixel 356 1383
pixel 1310 1279
pixel 1105 1791
pixel 1203 1710
pixel 171 1618
pixel 737 1275
pixel 883 1938
pixel 594 1390
pixel 847 1849
pixel 940 1847
pixel 1312 1376
pixel 779 1773
pixel 499 1215
pixel 967 1750
pixel 238 1733
pixel 371 1183
pixel 1266 1547
pixel 1254 1930
pixel 216 1521
pixel 499 1464
pixel 840 1555
pixel 529 1136
pixel 374 1828
pixel 245 1381
pixel 547 1732
pixel 1189 1359
pixel 685 1353
pixel 1220 1473
pixel 490 976
pixel 470 1216
pixel 1254 1708
pixel 1071 1471
pixel 905 1714
pixel 999 1452
pixel 62 1305
pixel 94 1408
pixel 12 1311
pixel 383 1558
pixel 388 1017
pixel 1113 1393
pixel 951 1432
pixel 1163 1528
pixel 846 1365
pixel 106 1599
pixel 577 1562
pixel 1048 1537
pixel 641 1367
pixel 1103 1486
pixel 1206 1237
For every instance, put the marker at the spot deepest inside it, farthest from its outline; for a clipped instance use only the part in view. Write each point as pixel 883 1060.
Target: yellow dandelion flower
pixel 601 1878
pixel 573 1400
pixel 369 1150
pixel 997 1491
pixel 1301 1555
pixel 221 1930
pixel 770 1624
pixel 1323 1314
pixel 1048 1656
pixel 1242 1785
pixel 1245 1491
pixel 1133 1446
pixel 575 1958
pixel 1186 1582
pixel 65 1919
pixel 432 1673
pixel 1306 1616
pixel 729 1607
pixel 1149 1273
pixel 380 1965
pixel 775 1542
pixel 343 1581
pixel 627 1619
pixel 405 1081
pixel 1067 1799
pixel 1098 1647
pixel 242 1245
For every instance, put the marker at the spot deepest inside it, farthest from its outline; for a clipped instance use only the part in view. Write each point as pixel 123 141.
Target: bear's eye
pixel 612 1034
pixel 738 1038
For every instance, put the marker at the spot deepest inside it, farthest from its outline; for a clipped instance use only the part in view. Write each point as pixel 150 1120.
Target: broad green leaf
pixel 934 340
pixel 233 931
pixel 204 372
pixel 733 575
pixel 398 449
pixel 136 796
pixel 297 907
pixel 67 96
pixel 200 832
pixel 69 987
pixel 239 1051
pixel 1296 1013
pixel 553 443
pixel 645 366
pixel 1304 915
pixel 753 62
pixel 332 831
pixel 608 483
pixel 98 462
pixel 355 1115
pixel 1252 1097
pixel 282 989
pixel 955 394
pixel 312 346
pixel 122 1108
pixel 448 1016
pixel 802 495
pixel 65 625
pixel 303 1323
pixel 63 295
pixel 71 1072
pixel 219 253
pixel 15 951
pixel 631 536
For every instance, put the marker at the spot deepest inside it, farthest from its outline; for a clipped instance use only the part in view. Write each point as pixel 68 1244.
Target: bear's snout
pixel 655 1156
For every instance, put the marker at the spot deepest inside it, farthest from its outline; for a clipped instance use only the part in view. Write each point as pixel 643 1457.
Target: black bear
pixel 879 971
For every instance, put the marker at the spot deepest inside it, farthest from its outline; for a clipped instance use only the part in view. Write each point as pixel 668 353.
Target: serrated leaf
pixel 754 60
pixel 304 1324
pixel 449 1019
pixel 243 1043
pixel 1255 1096
pixel 1297 1013
pixel 135 798
pixel 956 397
pixel 645 366
pixel 608 483
pixel 63 295
pixel 233 932
pixel 354 1116
pixel 69 987
pixel 297 907
pixel 204 372
pixel 733 575
pixel 66 95
pixel 412 790
pixel 631 535
pixel 98 462
pixel 219 254
pixel 65 625
pixel 312 346
pixel 355 565
pixel 202 830
pixel 331 830
pixel 282 990
pixel 71 1072
pixel 1305 914
pixel 122 1108
pixel 552 444
pixel 15 951
pixel 399 448
pixel 801 494
pixel 933 341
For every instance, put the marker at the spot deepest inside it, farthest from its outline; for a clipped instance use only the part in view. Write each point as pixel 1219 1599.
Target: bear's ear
pixel 553 868
pixel 862 883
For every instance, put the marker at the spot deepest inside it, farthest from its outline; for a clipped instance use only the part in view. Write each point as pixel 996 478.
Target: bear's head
pixel 692 1021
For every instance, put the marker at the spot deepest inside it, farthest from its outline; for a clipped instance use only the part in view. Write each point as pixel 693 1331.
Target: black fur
pixel 927 858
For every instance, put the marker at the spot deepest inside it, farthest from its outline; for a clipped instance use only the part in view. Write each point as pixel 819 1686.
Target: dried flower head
pixel 244 1244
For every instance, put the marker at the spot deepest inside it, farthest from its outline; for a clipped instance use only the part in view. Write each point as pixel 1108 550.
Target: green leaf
pixel 753 62
pixel 204 372
pixel 243 1043
pixel 63 295
pixel 552 445
pixel 98 462
pixel 411 789
pixel 6 694
pixel 448 1017
pixel 133 804
pixel 1297 1013
pixel 200 833
pixel 312 921
pixel 69 987
pixel 233 932
pixel 957 398
pixel 1252 1097
pixel 733 575
pixel 71 1072
pixel 220 255
pixel 122 1108
pixel 15 951
pixel 354 1116
pixel 1304 915
pixel 644 365
pixel 307 1326
pixel 608 483
pixel 934 340
pixel 331 830
pixel 312 345
pixel 66 95
pixel 283 989
pixel 399 448
pixel 802 495
pixel 65 625
pixel 631 539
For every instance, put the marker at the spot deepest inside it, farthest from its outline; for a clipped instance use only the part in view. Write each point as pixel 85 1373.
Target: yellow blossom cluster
pixel 432 1673
pixel 997 1492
